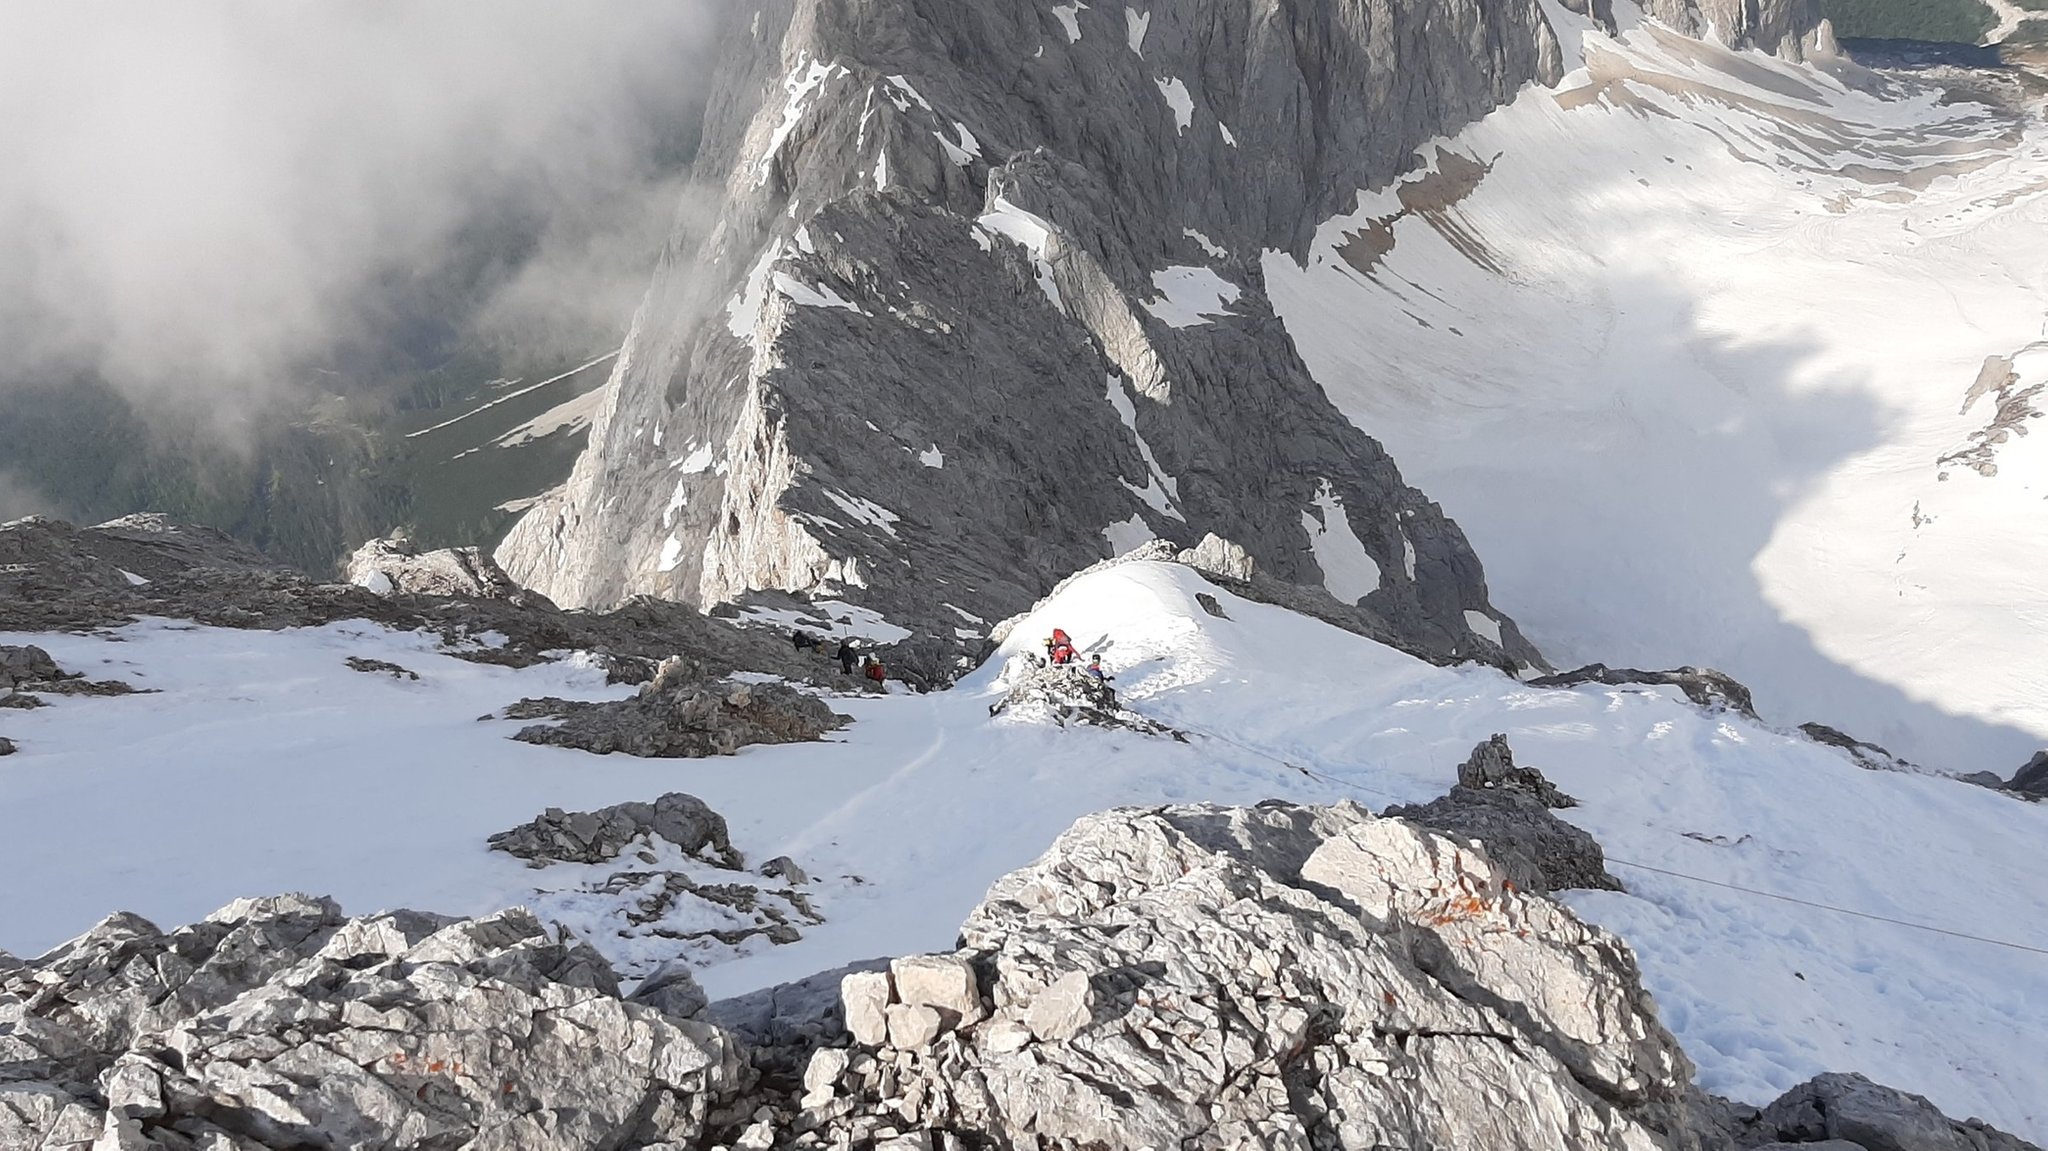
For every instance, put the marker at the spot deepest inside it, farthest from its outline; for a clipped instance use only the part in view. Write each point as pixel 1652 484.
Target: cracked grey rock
pixel 557 836
pixel 1850 1110
pixel 1317 975
pixel 278 1023
pixel 26 664
pixel 672 990
pixel 394 566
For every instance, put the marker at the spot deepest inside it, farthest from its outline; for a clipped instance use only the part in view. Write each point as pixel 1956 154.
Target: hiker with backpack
pixel 1059 649
pixel 847 656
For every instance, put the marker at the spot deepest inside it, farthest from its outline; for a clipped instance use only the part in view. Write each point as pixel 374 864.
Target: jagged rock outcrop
pixel 680 714
pixel 2031 780
pixel 677 891
pixel 278 1023
pixel 982 300
pixel 1280 975
pixel 1037 693
pixel 1186 976
pixel 1849 1111
pixel 1507 810
pixel 1702 685
pixel 393 566
pixel 1867 755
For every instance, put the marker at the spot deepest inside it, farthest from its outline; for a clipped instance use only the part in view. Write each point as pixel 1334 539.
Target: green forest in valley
pixel 1957 21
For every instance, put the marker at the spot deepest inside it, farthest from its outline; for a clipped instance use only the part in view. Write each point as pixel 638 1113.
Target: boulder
pixel 672 990
pixel 557 836
pixel 393 566
pixel 28 664
pixel 682 713
pixel 865 996
pixel 1849 1110
pixel 1216 556
pixel 1058 1013
pixel 944 983
pixel 1491 766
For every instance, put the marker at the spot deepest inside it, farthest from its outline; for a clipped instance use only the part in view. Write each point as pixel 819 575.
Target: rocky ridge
pixel 1189 976
pixel 982 301
pixel 56 577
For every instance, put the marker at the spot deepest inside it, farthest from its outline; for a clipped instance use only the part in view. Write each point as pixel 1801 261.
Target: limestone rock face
pixel 280 1023
pixel 1281 975
pixel 981 300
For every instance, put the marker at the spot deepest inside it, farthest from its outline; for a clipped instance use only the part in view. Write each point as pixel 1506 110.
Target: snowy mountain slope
pixel 1708 353
pixel 260 767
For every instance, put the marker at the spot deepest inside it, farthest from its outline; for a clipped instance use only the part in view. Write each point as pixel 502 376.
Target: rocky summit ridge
pixel 1193 976
pixel 979 299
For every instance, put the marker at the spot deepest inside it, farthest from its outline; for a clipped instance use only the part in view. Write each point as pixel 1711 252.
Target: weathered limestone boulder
pixel 681 713
pixel 557 836
pixel 394 566
pixel 27 664
pixel 278 1023
pixel 1220 557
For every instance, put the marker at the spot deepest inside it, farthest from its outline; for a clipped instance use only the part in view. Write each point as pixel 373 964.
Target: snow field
pixel 266 765
pixel 1682 363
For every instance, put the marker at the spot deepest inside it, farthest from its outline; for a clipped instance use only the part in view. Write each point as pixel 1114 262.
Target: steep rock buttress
pixel 981 302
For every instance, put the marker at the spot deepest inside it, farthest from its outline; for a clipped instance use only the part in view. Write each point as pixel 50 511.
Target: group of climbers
pixel 1060 652
pixel 850 656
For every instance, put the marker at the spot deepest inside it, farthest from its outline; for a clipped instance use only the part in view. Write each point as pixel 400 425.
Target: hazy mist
pixel 209 202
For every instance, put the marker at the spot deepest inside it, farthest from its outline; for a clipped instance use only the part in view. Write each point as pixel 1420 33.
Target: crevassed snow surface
pixel 266 765
pixel 1682 346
